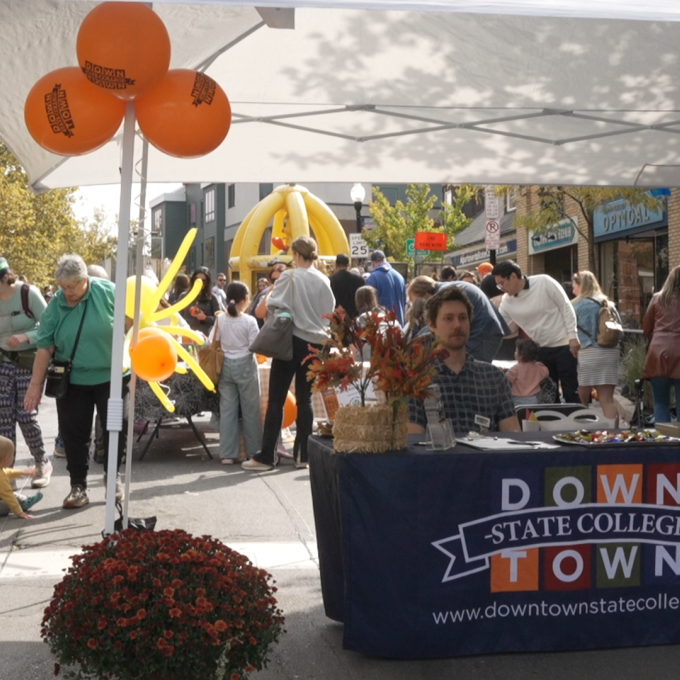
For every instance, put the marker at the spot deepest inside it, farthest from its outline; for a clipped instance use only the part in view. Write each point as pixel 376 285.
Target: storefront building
pixel 634 255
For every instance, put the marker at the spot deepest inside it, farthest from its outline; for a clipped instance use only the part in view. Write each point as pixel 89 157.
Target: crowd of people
pixel 554 340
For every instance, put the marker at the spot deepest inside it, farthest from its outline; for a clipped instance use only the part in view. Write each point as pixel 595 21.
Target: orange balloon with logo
pixel 188 115
pixel 123 48
pixel 153 357
pixel 69 116
pixel 289 410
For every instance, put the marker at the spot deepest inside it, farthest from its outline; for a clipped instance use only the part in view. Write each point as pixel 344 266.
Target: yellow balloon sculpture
pixel 294 210
pixel 150 313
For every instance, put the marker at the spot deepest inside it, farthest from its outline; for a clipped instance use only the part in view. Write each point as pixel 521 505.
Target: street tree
pixel 36 229
pixel 578 204
pixel 394 224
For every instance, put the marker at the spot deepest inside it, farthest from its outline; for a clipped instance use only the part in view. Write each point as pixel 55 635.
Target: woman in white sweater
pixel 306 294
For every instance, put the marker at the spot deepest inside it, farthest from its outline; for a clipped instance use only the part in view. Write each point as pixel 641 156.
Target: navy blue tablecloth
pixel 428 554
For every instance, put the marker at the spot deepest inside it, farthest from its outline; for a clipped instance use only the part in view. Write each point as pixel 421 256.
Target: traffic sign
pixel 492 206
pixel 430 240
pixel 358 248
pixel 410 247
pixel 493 234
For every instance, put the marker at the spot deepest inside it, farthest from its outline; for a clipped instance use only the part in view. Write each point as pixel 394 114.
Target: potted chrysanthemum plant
pixel 165 605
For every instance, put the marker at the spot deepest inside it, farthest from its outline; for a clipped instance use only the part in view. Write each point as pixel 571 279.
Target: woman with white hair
pixel 83 304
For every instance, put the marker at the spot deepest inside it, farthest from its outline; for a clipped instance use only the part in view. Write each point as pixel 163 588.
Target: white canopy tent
pixel 504 91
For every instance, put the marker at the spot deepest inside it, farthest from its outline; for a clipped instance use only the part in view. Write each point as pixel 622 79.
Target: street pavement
pixel 269 518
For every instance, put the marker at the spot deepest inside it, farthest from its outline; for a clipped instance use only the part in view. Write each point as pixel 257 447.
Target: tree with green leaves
pixel 556 205
pixel 394 224
pixel 36 229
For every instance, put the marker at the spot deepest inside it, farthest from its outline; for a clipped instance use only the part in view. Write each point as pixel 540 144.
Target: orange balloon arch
pixel 69 116
pixel 187 115
pixel 123 48
pixel 124 54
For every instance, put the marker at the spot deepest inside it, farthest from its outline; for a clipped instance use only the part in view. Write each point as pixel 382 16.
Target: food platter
pixel 608 438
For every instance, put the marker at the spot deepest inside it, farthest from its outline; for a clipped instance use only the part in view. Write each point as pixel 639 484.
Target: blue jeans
pixel 526 401
pixel 661 390
pixel 239 385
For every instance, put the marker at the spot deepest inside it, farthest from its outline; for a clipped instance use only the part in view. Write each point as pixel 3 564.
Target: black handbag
pixel 58 375
pixel 275 338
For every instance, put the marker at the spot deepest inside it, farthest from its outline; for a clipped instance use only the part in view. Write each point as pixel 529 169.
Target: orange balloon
pixel 187 115
pixel 261 359
pixel 68 115
pixel 149 330
pixel 123 48
pixel 289 410
pixel 154 357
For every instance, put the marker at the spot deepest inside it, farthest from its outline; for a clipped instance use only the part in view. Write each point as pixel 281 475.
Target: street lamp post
pixel 357 195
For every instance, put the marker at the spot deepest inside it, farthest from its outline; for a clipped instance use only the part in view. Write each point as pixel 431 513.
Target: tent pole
pixel 139 261
pixel 114 421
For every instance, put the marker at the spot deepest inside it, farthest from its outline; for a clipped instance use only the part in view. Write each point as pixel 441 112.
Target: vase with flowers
pixel 374 350
pixel 166 605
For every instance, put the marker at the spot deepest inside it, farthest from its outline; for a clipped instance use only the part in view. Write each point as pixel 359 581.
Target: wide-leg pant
pixel 14 381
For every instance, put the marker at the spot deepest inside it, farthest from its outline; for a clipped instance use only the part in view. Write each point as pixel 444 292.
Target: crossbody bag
pixel 58 375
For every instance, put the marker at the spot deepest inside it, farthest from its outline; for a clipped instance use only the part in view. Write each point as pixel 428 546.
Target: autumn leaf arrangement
pixel 399 364
pixel 166 605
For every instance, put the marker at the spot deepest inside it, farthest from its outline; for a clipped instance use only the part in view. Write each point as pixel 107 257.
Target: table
pixel 190 397
pixel 440 554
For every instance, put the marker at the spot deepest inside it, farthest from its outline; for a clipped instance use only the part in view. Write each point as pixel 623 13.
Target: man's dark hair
pixel 446 294
pixel 506 268
pixel 448 273
pixel 341 260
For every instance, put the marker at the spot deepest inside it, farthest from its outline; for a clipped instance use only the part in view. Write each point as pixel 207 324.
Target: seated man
pixel 475 395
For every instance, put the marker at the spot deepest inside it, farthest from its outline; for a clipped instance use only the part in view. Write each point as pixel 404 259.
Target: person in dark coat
pixel 344 285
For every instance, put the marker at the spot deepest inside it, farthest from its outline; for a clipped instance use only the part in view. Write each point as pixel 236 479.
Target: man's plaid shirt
pixel 479 389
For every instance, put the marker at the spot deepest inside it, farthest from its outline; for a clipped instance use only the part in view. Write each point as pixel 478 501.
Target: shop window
pixel 266 189
pixel 209 205
pixel 158 221
pixel 210 252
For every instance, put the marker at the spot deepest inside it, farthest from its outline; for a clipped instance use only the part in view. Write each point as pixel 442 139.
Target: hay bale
pixel 370 429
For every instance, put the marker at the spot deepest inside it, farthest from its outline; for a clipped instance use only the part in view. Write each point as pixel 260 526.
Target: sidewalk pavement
pixel 269 518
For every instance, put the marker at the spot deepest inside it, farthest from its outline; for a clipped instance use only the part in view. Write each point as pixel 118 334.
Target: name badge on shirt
pixel 483 422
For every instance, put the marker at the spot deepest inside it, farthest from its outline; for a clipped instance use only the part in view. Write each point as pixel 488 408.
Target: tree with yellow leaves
pixel 36 229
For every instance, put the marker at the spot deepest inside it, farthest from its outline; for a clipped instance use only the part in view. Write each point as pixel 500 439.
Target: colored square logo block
pixel 618 565
pixel 619 484
pixel 514 570
pixel 567 567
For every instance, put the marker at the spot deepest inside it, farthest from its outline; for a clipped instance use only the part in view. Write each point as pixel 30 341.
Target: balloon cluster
pixel 123 51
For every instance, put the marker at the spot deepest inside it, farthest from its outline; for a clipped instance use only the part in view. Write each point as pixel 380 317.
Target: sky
pixel 108 198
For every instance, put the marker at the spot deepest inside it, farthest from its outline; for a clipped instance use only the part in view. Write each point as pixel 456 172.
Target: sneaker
pixel 59 450
pixel 30 501
pixel 301 465
pixel 255 466
pixel 43 474
pixel 120 491
pixel 77 498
